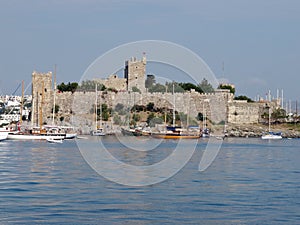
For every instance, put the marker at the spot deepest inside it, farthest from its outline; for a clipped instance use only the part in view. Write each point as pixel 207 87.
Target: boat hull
pixel 172 136
pixel 271 137
pixel 3 136
pixel 70 135
pixel 33 137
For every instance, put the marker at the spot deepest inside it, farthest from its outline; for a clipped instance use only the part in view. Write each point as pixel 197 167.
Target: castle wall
pixel 77 108
pixel 113 81
pixel 242 112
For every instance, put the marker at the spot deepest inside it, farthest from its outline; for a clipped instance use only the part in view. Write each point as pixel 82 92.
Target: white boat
pixel 271 135
pixel 70 135
pixel 3 135
pixel 24 136
pixel 51 140
pixel 98 132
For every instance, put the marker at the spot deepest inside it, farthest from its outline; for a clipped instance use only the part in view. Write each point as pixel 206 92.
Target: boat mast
pixel 96 107
pixel 53 111
pixel 188 113
pixel 22 100
pixel 41 107
pixel 204 117
pixel 269 119
pixel 100 105
pixel 173 106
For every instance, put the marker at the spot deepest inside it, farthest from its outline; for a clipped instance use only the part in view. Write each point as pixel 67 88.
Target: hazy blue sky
pixel 258 40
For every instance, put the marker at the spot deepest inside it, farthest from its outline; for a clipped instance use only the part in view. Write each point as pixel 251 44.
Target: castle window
pixel 45 89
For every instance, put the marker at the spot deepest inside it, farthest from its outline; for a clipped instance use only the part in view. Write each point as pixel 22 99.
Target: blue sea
pixel 251 181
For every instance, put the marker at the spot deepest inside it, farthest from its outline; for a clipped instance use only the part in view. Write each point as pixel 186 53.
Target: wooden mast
pixel 22 100
pixel 41 107
pixel 54 93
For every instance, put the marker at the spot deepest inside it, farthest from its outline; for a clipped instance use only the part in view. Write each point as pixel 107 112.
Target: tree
pixel 150 81
pixel 150 117
pixel 189 86
pixel 278 114
pixel 205 86
pixel 150 106
pixel 152 120
pixel 119 107
pixel 67 87
pixel 243 97
pixel 135 89
pixel 90 85
pixel 157 88
pixel 177 87
pixel 117 120
pixel 136 117
pixel 228 87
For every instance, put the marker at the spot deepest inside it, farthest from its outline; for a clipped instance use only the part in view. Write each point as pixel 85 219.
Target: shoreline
pixel 256 130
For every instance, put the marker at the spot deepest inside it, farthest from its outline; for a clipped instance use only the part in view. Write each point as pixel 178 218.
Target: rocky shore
pixel 256 130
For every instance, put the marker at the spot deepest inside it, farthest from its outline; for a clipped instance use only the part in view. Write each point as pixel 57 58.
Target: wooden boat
pixel 176 133
pixel 131 132
pixel 174 136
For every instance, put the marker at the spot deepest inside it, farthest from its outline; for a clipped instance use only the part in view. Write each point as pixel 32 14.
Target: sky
pixel 256 41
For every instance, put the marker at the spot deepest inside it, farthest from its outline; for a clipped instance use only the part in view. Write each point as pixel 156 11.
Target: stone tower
pixel 134 73
pixel 42 96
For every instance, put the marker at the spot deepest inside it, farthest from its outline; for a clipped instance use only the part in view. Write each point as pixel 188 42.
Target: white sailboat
pixel 271 135
pixel 205 132
pixel 98 130
pixel 69 132
pixel 35 133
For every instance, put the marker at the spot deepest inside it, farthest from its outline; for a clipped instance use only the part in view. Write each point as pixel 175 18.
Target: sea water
pixel 251 181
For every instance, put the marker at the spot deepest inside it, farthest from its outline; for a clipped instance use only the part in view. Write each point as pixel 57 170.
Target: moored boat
pixel 3 135
pixel 25 136
pixel 98 132
pixel 272 136
pixel 176 133
pixel 51 140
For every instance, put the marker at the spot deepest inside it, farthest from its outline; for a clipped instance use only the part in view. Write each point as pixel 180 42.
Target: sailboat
pixel 205 132
pixel 271 135
pixel 98 130
pixel 35 133
pixel 68 131
pixel 175 132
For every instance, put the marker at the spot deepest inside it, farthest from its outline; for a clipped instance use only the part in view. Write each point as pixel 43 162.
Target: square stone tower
pixel 42 97
pixel 134 73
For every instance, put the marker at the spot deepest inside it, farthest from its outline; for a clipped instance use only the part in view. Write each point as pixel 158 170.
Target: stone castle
pixel 75 108
pixel 134 77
